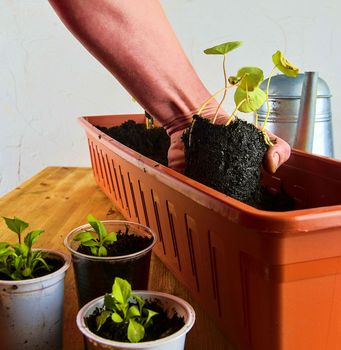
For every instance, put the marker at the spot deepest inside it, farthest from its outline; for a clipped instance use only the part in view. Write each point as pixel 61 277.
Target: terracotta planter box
pixel 271 281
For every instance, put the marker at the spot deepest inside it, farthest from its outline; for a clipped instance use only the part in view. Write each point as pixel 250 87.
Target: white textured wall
pixel 47 79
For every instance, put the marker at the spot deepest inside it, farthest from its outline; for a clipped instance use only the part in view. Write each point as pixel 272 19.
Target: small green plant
pixel 18 261
pixel 248 96
pixel 98 245
pixel 149 120
pixel 122 306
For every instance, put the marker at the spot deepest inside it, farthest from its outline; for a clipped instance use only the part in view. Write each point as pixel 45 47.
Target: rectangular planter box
pixel 270 281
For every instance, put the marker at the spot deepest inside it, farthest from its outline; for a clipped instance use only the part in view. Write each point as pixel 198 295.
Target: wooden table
pixel 59 199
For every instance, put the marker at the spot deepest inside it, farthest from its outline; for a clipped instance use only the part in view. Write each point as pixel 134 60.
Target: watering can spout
pixel 304 138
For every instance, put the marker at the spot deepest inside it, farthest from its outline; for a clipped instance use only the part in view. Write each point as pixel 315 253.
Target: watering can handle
pixel 306 116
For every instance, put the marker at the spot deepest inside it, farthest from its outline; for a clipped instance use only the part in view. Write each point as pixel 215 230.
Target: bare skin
pixel 135 42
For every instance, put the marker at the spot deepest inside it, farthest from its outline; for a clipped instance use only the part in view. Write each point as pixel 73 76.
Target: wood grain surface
pixel 59 199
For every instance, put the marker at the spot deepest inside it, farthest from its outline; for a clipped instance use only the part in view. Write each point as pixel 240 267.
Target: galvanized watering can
pixel 300 112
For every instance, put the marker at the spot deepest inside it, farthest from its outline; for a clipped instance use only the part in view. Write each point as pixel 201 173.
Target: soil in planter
pixel 152 143
pixel 161 327
pixel 54 264
pixel 229 159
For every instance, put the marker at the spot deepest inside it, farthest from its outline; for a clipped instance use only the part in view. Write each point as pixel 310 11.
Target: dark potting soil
pixel 229 159
pixel 54 265
pixel 126 244
pixel 152 143
pixel 162 326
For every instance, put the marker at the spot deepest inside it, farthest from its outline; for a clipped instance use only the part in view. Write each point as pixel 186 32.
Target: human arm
pixel 135 42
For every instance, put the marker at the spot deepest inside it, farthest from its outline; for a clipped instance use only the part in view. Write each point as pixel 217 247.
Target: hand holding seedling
pixel 157 73
pixel 248 97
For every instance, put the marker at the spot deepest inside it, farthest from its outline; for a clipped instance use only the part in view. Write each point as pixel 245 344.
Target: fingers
pixel 176 155
pixel 277 154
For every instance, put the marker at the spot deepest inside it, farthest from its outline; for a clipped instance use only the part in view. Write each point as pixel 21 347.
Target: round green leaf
pixel 284 65
pixel 102 251
pixel 223 49
pixel 116 317
pixel 251 78
pixel 135 331
pixel 253 99
pixel 133 311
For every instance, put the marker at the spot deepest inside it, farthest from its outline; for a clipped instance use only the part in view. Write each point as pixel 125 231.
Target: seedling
pixel 98 245
pixel 124 307
pixel 18 261
pixel 149 120
pixel 248 96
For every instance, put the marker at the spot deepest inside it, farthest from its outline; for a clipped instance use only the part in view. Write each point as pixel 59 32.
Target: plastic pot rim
pixel 111 258
pixel 141 345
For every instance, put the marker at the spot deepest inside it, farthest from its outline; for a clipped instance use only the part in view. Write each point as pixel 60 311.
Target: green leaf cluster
pixel 18 261
pixel 249 96
pixel 97 243
pixel 122 306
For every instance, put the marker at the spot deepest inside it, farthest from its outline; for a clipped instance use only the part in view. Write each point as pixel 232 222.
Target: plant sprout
pixel 98 245
pixel 248 96
pixel 18 261
pixel 122 306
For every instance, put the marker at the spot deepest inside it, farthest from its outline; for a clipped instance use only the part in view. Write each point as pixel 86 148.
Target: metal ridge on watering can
pixel 285 102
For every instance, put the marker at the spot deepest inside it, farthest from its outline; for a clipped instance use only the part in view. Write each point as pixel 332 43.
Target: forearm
pixel 135 42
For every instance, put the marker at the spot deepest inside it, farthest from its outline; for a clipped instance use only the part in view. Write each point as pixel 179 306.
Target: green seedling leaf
pixel 100 319
pixel 121 290
pixel 102 251
pixel 5 249
pixel 109 302
pixel 223 49
pixel 140 301
pixel 16 225
pixel 110 238
pixel 252 99
pixel 26 272
pixel 92 243
pixel 133 311
pixel 32 237
pixel 284 65
pixel 135 331
pixel 150 314
pixel 83 237
pixel 43 262
pixel 116 317
pixel 98 226
pixel 250 78
pixel 21 249
pixel 94 251
pixel 233 80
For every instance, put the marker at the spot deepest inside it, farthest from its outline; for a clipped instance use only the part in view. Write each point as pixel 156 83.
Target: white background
pixel 47 79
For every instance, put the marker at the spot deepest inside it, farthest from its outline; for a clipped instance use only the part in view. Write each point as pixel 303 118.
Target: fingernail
pixel 275 161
